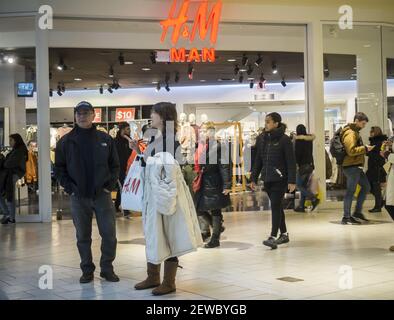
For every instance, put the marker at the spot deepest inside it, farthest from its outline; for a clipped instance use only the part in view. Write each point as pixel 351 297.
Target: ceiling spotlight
pixel 283 83
pixel 261 84
pixel 153 57
pixel 10 59
pixel 177 77
pixel 116 85
pixel 63 88
pixel 262 79
pixel 236 69
pixel 167 79
pixel 259 60
pixel 251 84
pixel 245 60
pixel 241 78
pixel 121 59
pixel 250 70
pixel 111 72
pixel 61 65
pixel 274 68
pixel 158 86
pixel 59 92
pixel 190 71
pixel 326 71
pixel 167 87
pixel 101 90
pixel 50 92
pixel 231 60
pixel 129 62
pixel 146 69
pixel 110 90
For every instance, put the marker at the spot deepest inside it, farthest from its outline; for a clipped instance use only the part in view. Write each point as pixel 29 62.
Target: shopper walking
pixel 12 168
pixel 353 168
pixel 215 185
pixel 303 145
pixel 169 217
pixel 375 173
pixel 389 155
pixel 87 167
pixel 124 151
pixel 275 162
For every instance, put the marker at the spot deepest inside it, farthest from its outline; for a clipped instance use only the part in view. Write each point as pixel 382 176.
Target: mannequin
pixel 204 118
pixel 192 121
pixel 187 138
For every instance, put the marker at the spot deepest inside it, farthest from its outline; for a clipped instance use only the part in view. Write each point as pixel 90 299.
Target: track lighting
pixel 167 78
pixel 250 70
pixel 251 84
pixel 283 83
pixel 190 71
pixel 274 68
pixel 167 87
pixel 153 57
pixel 121 59
pixel 241 78
pixel 177 77
pixel 59 91
pixel 110 90
pixel 158 86
pixel 61 65
pixel 245 59
pixel 101 90
pixel 111 72
pixel 236 69
pixel 259 60
pixel 262 79
pixel 63 88
pixel 261 85
pixel 50 92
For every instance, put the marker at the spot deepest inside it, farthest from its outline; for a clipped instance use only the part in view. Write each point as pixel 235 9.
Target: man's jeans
pixel 302 181
pixel 82 213
pixel 355 176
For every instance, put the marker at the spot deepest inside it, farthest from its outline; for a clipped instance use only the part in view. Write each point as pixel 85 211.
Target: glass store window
pixel 352 83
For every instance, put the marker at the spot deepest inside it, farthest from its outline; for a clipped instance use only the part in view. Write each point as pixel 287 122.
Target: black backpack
pixel 337 149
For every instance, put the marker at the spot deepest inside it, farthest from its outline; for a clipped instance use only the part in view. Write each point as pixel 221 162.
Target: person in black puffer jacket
pixel 376 173
pixel 124 152
pixel 213 195
pixel 13 167
pixel 275 162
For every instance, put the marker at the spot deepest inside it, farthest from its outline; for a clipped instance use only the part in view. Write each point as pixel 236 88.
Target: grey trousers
pixel 7 207
pixel 82 213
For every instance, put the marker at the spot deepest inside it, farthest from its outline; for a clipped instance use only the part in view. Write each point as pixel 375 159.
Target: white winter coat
pixel 169 217
pixel 390 183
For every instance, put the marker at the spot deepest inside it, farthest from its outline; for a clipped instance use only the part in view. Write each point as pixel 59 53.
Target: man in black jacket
pixel 87 166
pixel 275 162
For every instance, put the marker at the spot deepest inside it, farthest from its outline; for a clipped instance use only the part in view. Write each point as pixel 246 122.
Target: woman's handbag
pixel 197 182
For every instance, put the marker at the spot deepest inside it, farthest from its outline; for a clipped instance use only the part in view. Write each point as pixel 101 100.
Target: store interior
pixel 235 92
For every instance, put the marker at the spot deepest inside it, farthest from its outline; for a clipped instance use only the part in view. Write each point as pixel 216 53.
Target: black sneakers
pixel 315 203
pixel 109 276
pixel 374 210
pixel 350 220
pixel 360 216
pixel 86 278
pixel 284 238
pixel 271 242
pixel 7 220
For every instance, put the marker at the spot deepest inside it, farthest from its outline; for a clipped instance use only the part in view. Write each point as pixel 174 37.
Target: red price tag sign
pixel 125 114
pixel 97 115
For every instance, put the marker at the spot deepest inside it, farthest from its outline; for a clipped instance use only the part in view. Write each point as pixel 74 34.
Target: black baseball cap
pixel 83 105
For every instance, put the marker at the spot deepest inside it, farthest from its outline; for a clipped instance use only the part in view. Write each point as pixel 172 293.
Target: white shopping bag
pixel 133 188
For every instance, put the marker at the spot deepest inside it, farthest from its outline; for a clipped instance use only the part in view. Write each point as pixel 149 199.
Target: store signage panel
pixel 205 22
pixel 125 114
pixel 97 115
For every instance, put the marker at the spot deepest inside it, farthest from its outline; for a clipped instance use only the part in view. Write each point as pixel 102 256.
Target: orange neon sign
pixel 203 22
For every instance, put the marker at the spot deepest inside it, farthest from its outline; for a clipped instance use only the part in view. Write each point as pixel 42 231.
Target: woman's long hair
pixel 301 130
pixel 167 112
pixel 19 144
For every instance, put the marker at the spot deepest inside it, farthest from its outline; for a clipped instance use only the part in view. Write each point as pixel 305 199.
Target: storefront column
pixel 315 98
pixel 43 135
pixel 370 87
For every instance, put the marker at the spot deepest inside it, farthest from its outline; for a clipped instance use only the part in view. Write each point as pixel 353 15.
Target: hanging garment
pixel 31 167
pixel 62 131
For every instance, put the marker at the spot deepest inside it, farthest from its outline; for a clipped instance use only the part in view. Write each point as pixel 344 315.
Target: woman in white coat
pixel 170 221
pixel 390 182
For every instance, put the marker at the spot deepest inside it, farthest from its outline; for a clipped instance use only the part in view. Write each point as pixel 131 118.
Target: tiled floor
pixel 240 269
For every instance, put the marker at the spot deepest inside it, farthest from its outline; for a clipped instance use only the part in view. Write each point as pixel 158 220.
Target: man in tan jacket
pixel 353 168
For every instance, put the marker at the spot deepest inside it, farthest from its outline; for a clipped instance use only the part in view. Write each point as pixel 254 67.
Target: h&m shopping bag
pixel 133 188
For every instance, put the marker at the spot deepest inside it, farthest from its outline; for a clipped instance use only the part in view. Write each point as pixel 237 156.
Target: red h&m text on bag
pixel 134 186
